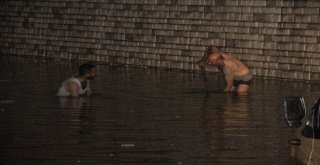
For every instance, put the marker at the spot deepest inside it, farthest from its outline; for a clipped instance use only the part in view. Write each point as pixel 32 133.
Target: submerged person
pixel 79 84
pixel 237 74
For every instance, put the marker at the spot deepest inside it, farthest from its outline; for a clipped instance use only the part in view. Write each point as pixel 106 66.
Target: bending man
pixel 237 75
pixel 79 84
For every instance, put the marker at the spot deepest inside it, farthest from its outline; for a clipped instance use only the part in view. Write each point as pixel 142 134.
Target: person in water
pixel 79 84
pixel 237 74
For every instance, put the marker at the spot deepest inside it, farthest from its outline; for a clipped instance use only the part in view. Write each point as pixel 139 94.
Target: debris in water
pixel 127 145
pixel 6 101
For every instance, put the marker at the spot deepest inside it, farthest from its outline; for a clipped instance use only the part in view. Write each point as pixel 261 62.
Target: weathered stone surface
pixel 274 38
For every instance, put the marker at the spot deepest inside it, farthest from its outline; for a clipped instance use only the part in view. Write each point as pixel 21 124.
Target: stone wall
pixel 275 38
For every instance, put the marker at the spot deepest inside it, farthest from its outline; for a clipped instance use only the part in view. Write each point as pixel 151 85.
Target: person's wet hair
pixel 85 68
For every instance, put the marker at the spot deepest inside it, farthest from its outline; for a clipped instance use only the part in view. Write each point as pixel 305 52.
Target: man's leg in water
pixel 242 89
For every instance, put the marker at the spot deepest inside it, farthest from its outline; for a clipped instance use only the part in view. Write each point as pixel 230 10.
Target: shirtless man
pixel 79 84
pixel 237 75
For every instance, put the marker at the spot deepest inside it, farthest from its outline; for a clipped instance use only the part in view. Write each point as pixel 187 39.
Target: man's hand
pixel 89 90
pixel 228 89
pixel 201 64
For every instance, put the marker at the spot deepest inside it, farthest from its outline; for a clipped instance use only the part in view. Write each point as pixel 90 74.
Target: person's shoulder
pixel 73 81
pixel 73 85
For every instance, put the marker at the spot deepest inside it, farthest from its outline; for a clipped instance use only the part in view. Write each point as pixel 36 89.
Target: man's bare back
pixel 237 75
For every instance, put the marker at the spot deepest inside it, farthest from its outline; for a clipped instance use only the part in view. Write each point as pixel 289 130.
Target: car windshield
pixel 295 111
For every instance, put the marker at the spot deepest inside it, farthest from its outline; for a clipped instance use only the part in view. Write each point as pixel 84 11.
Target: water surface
pixel 141 116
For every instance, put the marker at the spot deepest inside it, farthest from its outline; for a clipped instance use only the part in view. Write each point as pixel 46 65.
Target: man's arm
pixel 73 89
pixel 229 80
pixel 202 65
pixel 89 90
pixel 203 61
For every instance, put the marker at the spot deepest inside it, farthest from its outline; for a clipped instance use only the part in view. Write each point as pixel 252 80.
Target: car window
pixel 312 126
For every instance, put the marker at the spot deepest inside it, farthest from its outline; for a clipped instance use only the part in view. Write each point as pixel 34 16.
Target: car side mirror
pixel 295 111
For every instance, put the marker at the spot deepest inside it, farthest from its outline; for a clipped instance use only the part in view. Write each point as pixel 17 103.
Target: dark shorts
pixel 238 82
pixel 246 80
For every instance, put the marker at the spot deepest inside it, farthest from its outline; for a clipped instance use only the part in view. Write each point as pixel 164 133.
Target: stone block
pixel 247 57
pixel 315 76
pixel 284 66
pixel 231 43
pixel 286 74
pixel 313 47
pixel 222 3
pixel 176 65
pixel 314 68
pixel 273 65
pixel 296 67
pixel 305 76
pixel 164 64
pixel 184 2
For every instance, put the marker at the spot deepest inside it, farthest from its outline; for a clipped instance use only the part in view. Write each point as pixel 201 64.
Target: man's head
pixel 215 58
pixel 88 70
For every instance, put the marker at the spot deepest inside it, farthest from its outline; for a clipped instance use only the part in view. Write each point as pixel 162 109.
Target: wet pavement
pixel 141 116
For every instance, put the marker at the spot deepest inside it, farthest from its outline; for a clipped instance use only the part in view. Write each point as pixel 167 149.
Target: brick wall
pixel 275 38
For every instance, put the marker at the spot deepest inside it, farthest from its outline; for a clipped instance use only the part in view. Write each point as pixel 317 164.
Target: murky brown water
pixel 140 116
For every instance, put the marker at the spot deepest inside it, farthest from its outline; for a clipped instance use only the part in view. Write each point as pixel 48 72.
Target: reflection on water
pixel 73 103
pixel 235 115
pixel 140 116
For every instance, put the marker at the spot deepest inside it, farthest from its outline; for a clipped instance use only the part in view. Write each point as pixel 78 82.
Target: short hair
pixel 85 68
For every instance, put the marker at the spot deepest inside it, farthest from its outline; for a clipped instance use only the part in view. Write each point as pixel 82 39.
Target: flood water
pixel 141 116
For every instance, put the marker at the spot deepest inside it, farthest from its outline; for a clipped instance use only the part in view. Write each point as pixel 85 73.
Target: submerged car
pixel 306 140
